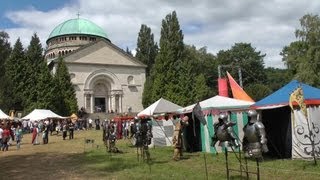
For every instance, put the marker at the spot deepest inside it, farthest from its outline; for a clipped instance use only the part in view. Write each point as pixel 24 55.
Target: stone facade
pixel 105 77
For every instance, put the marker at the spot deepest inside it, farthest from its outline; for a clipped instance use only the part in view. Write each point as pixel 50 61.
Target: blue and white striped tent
pixel 211 108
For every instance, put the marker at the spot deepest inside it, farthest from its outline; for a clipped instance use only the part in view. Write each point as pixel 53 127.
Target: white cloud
pixel 267 25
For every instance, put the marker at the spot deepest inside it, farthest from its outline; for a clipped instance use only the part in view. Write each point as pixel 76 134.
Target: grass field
pixel 73 159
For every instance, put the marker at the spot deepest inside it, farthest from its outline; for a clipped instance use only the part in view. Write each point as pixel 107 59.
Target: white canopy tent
pixel 162 131
pixel 40 114
pixel 159 107
pixel 3 115
pixel 218 102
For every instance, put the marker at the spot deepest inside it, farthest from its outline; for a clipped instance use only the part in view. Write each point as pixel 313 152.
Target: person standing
pixel 18 136
pixel 64 130
pixel 177 137
pixel 71 130
pixel 5 138
pixel 45 134
pixel 34 134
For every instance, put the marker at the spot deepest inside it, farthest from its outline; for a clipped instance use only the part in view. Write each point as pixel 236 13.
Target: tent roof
pixel 3 115
pixel 40 114
pixel 282 95
pixel 160 106
pixel 219 102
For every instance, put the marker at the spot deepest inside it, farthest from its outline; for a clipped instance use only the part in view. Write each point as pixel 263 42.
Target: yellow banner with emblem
pixel 297 96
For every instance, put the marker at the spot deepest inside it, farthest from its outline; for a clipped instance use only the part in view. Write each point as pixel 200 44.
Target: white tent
pixel 211 108
pixel 218 102
pixel 40 114
pixel 3 115
pixel 162 130
pixel 159 107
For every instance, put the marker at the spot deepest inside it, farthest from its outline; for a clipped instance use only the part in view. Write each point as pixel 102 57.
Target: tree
pixel 258 91
pixel 5 50
pixel 302 57
pixel 168 63
pixel 66 95
pixel 201 90
pixel 276 78
pixel 245 56
pixel 38 92
pixel 14 85
pixel 146 49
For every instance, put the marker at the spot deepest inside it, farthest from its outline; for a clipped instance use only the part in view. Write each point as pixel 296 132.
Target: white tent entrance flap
pixel 301 144
pixel 162 132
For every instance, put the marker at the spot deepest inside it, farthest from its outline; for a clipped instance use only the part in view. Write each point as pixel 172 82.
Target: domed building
pixel 105 77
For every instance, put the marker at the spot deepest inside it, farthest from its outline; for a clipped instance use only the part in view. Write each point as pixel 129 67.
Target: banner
pixel 297 96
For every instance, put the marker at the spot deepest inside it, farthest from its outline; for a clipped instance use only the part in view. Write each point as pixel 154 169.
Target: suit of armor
pixel 143 135
pixel 224 132
pixel 254 140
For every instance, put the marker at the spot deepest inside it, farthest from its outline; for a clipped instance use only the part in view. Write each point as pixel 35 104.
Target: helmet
pixel 223 116
pixel 252 113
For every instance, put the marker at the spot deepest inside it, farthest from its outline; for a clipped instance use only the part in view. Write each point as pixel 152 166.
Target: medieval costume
pixel 254 140
pixel 224 132
pixel 177 138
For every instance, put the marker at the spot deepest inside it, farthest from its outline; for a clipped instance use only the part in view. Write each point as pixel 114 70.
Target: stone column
pixel 120 103
pixel 92 103
pixel 109 103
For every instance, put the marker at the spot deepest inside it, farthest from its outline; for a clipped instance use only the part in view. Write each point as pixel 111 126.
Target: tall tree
pixel 146 49
pixel 302 57
pixel 66 95
pixel 14 86
pixel 37 79
pixel 5 50
pixel 168 62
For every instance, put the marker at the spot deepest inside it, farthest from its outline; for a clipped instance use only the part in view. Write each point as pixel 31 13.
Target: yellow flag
pixel 297 96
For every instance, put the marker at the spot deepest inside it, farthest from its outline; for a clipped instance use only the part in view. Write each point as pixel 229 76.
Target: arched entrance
pixel 101 93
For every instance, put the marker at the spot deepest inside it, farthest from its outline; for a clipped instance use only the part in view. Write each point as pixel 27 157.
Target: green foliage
pixel 169 62
pixel 258 91
pixel 276 78
pixel 37 80
pixel 65 93
pixel 245 56
pixel 5 50
pixel 146 49
pixel 14 85
pixel 302 57
pixel 201 90
pixel 147 92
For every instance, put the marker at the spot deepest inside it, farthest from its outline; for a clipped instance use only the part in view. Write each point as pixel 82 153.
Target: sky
pixel 215 24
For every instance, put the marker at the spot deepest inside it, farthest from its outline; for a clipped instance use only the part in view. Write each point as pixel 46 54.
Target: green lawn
pixel 73 159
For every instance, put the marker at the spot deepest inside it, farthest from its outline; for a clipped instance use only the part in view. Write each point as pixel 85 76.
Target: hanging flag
pixel 223 87
pixel 297 96
pixel 237 91
pixel 197 112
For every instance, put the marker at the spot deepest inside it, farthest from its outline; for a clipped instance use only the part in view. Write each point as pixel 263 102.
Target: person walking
pixel 18 136
pixel 5 138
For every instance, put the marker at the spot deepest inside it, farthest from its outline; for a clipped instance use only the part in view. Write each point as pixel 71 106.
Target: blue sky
pixel 16 5
pixel 215 24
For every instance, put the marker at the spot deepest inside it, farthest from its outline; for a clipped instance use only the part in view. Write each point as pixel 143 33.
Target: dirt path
pixel 60 159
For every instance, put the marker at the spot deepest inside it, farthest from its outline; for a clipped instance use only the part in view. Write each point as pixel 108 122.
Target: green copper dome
pixel 77 26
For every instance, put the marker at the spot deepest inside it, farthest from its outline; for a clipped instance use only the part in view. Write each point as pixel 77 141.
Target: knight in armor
pixel 254 140
pixel 224 132
pixel 143 135
pixel 177 137
pixel 111 137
